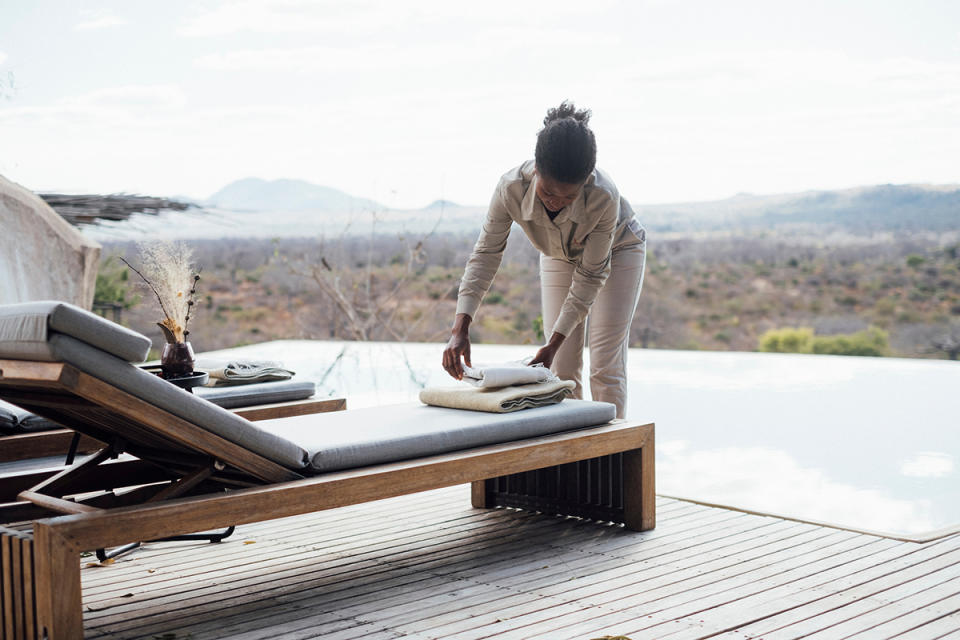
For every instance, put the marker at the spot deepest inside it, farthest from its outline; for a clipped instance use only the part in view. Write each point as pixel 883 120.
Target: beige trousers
pixel 608 324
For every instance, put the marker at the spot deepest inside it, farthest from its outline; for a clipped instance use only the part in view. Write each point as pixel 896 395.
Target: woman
pixel 592 255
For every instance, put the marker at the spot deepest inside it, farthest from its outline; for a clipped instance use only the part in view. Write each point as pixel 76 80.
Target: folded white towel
pixel 224 372
pixel 502 400
pixel 507 374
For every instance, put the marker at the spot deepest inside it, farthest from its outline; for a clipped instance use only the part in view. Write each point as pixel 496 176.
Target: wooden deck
pixel 430 566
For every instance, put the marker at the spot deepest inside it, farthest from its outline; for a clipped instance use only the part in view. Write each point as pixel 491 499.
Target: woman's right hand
pixel 458 346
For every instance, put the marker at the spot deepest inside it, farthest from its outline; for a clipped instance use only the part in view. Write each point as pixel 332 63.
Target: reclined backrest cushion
pixel 177 401
pixel 26 329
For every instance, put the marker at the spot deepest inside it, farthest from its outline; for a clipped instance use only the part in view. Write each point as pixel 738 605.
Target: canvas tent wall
pixel 42 257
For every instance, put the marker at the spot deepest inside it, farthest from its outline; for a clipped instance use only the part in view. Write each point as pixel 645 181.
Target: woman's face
pixel 555 195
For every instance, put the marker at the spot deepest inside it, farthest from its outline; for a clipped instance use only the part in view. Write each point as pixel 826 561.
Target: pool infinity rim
pixel 928 536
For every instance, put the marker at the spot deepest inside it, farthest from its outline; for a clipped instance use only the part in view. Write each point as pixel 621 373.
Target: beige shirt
pixel 584 233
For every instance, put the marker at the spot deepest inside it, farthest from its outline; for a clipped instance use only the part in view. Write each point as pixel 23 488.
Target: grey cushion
pixel 13 419
pixel 259 393
pixel 32 422
pixel 360 437
pixel 26 330
pixel 177 401
pixel 10 417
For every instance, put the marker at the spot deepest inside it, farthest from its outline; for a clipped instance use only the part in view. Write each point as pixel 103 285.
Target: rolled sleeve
pixel 486 256
pixel 591 272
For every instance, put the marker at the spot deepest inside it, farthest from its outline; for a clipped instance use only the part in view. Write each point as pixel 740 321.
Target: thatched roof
pixel 87 209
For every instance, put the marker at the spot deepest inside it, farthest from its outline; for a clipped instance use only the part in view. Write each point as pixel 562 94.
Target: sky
pixel 406 102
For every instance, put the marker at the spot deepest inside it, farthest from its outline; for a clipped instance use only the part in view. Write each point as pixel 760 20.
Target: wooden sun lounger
pixel 178 480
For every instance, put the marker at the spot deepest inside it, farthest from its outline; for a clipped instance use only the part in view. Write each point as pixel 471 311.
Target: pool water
pixel 865 443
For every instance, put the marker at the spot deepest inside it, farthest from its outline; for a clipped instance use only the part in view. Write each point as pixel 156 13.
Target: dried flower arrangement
pixel 167 269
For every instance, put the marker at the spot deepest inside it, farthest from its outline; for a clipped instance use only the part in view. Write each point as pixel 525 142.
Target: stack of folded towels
pixel 501 388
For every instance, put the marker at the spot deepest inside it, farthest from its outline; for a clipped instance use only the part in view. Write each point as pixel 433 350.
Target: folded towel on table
pixel 501 400
pixel 242 371
pixel 507 374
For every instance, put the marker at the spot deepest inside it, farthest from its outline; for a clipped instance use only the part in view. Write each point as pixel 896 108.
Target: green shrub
pixel 787 340
pixel 869 342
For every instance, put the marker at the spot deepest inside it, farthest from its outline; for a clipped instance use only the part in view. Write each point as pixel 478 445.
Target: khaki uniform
pixel 589 239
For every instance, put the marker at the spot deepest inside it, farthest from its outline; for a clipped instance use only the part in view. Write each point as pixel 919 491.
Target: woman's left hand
pixel 547 353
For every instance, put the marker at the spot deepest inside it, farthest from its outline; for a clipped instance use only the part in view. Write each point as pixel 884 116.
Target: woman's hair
pixel 566 148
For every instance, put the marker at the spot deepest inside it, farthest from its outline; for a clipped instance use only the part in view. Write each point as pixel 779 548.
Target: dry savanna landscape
pixel 720 286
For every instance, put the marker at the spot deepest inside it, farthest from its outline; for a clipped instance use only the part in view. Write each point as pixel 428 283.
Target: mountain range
pixel 909 207
pixel 255 194
pixel 861 210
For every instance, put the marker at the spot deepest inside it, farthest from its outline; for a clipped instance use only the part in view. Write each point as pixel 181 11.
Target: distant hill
pixel 442 204
pixel 860 210
pixel 255 194
pixel 237 211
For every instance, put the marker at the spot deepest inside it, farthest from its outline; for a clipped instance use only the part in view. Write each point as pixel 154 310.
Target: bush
pixel 787 340
pixel 870 342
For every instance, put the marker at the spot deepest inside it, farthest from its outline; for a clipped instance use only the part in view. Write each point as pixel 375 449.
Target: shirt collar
pixel 532 209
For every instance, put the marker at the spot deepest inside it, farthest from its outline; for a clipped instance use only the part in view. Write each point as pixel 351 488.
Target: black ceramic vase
pixel 176 360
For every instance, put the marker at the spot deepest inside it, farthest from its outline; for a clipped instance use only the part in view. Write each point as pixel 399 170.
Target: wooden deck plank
pixel 709 607
pixel 501 583
pixel 288 585
pixel 647 612
pixel 872 603
pixel 929 620
pixel 429 566
pixel 185 557
pixel 823 592
pixel 952 634
pixel 362 543
pixel 418 571
pixel 626 600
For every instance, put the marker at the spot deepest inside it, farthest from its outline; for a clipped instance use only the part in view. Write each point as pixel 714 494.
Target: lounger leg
pixel 616 487
pixel 479 497
pixel 639 494
pixel 57 575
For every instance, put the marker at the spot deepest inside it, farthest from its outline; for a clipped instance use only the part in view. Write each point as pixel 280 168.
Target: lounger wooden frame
pixel 55 543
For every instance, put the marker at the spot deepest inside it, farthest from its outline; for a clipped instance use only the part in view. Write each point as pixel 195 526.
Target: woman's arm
pixel 487 253
pixel 458 345
pixel 481 268
pixel 547 353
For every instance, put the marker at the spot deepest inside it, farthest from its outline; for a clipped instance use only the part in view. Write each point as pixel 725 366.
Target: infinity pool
pixel 865 443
